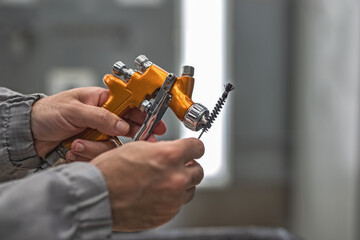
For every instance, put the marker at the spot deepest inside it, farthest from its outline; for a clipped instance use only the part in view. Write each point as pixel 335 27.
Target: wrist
pixel 42 148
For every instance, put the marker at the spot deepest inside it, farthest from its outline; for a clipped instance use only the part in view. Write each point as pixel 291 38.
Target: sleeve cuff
pixel 93 211
pixel 20 143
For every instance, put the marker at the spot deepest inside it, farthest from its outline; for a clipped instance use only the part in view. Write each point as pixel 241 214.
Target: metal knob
pixel 142 63
pixel 188 71
pixel 120 69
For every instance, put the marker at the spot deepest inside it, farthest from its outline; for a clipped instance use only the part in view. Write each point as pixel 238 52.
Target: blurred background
pixel 284 152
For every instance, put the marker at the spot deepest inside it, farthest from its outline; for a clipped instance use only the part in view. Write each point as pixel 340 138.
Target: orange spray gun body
pixel 137 89
pixel 152 90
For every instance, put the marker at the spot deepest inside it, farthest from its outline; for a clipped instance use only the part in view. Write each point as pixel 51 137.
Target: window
pixel 203 38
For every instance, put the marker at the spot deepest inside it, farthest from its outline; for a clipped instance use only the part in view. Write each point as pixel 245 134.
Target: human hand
pixel 61 116
pixel 149 182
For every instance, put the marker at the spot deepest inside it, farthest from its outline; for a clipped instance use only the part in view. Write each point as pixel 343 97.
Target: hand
pixel 83 150
pixel 149 182
pixel 61 116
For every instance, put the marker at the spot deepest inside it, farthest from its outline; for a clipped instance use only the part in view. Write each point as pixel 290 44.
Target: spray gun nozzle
pixel 195 117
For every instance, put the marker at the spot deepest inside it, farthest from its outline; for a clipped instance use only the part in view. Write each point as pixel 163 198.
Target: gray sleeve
pixel 17 152
pixel 66 202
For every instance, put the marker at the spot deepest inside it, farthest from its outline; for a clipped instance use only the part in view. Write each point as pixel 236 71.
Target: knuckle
pixel 160 155
pixel 178 183
pixel 102 115
pixel 191 194
pixel 169 154
pixel 200 175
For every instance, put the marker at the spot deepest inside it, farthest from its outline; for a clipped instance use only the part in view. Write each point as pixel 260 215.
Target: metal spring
pixel 210 119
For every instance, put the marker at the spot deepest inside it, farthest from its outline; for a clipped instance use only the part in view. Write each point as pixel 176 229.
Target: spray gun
pixel 153 91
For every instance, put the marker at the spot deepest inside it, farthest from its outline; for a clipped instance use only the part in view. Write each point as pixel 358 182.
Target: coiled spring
pixel 210 119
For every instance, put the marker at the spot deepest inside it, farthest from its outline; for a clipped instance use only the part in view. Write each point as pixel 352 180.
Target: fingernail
pixel 79 147
pixel 71 156
pixel 122 126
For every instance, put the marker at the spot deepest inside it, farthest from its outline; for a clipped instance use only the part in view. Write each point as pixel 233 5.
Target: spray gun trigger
pixel 155 110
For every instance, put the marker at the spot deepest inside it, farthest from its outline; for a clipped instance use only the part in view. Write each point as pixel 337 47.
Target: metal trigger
pixel 157 109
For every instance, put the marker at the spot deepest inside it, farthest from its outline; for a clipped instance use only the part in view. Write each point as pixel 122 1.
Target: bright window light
pixel 203 38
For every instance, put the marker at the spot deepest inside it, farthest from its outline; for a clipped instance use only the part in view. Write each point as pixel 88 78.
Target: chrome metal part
pixel 188 71
pixel 129 73
pixel 142 63
pixel 119 69
pixel 196 116
pixel 54 158
pixel 145 106
pixel 157 109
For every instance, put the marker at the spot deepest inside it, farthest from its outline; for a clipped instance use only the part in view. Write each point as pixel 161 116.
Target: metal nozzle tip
pixel 195 117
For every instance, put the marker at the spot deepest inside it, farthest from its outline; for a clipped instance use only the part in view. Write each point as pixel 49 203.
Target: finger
pixel 189 163
pixel 71 157
pixel 188 148
pixel 196 174
pixel 152 138
pixel 135 115
pixel 138 117
pixel 160 128
pixel 189 194
pixel 134 128
pixel 104 96
pixel 95 96
pixel 83 115
pixel 91 149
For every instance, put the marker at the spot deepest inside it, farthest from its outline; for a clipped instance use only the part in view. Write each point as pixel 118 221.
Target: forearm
pixel 17 153
pixel 66 202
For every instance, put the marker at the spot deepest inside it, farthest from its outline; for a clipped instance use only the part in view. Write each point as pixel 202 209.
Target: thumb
pixel 100 119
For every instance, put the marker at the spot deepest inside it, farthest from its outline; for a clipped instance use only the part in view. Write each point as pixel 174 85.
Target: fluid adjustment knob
pixel 119 69
pixel 142 63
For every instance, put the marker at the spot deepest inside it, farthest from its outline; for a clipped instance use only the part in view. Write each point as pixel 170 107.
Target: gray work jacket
pixel 66 202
